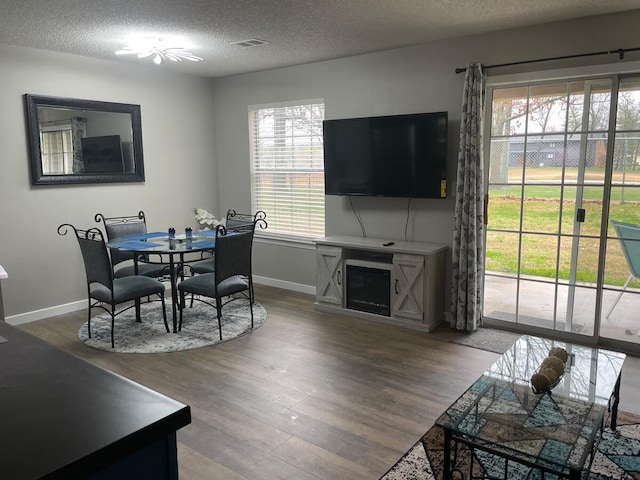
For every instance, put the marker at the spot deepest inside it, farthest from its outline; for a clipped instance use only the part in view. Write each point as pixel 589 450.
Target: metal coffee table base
pixel 449 466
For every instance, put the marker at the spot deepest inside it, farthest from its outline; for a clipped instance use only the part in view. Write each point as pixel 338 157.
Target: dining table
pixel 176 250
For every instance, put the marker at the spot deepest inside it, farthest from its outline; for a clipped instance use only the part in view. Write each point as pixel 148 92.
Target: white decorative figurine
pixel 205 219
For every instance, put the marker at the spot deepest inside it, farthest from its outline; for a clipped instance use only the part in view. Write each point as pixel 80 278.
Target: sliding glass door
pixel 554 179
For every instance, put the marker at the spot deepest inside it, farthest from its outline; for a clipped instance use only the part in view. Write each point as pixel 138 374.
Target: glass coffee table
pixel 509 430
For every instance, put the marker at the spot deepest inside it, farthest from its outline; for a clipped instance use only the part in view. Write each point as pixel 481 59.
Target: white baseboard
pixel 81 304
pixel 294 287
pixel 46 312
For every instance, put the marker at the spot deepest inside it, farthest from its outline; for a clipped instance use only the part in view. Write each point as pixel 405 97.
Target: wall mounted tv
pixel 388 156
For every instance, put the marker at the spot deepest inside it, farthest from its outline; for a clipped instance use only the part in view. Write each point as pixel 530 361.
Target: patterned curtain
pixel 468 232
pixel 78 132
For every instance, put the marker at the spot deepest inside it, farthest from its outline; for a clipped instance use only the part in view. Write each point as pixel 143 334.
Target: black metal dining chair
pixel 233 222
pixel 118 227
pixel 102 287
pixel 232 274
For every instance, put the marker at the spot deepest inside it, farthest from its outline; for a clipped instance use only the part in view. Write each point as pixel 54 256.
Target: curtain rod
pixel 620 52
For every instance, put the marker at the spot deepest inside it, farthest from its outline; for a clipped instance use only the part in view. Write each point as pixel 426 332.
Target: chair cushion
pixel 127 288
pixel 152 270
pixel 203 266
pixel 204 285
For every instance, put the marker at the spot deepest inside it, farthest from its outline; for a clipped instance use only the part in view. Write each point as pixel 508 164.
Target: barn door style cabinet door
pixel 407 287
pixel 329 275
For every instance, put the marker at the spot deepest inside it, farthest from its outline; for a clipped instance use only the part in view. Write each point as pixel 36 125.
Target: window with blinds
pixel 287 163
pixel 57 151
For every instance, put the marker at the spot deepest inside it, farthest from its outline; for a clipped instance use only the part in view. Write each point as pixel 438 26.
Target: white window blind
pixel 57 151
pixel 287 160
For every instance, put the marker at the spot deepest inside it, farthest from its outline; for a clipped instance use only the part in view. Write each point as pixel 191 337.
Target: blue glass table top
pixel 159 242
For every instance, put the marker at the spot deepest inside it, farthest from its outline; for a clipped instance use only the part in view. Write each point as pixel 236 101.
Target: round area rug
pixel 199 327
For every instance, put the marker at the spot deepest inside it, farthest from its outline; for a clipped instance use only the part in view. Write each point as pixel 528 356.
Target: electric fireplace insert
pixel 368 289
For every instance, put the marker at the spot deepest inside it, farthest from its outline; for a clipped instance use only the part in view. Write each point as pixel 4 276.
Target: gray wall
pixel 196 146
pixel 45 270
pixel 408 80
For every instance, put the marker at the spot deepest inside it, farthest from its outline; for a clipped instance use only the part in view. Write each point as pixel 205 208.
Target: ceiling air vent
pixel 252 42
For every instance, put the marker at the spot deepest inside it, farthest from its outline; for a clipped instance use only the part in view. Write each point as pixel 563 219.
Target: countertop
pixel 62 417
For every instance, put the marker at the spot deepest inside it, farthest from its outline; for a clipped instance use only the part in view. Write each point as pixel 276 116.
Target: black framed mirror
pixel 83 141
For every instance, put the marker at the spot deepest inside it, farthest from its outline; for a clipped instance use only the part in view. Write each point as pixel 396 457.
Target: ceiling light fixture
pixel 154 47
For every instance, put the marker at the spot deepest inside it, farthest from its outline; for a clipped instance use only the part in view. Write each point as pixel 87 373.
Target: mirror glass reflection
pixel 82 141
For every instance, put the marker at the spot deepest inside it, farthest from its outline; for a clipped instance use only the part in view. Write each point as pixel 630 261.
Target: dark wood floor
pixel 309 395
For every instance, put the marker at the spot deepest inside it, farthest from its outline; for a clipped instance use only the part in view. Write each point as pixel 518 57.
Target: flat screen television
pixel 102 154
pixel 389 156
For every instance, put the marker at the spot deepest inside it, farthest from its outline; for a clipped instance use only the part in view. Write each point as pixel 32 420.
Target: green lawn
pixel 618 194
pixel 540 214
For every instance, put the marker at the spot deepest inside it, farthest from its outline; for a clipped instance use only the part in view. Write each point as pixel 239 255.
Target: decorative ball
pixel 551 374
pixel 554 363
pixel 540 383
pixel 559 352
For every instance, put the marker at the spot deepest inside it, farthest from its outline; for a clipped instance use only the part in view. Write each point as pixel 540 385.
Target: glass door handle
pixel 580 214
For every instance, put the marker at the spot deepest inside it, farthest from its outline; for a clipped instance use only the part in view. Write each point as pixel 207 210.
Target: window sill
pixel 305 243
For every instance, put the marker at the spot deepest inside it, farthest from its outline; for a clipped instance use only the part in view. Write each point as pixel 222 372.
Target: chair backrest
pixel 97 265
pixel 629 236
pixel 117 227
pixel 233 253
pixel 236 222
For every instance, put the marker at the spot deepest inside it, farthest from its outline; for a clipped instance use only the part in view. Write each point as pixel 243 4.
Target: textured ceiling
pixel 299 31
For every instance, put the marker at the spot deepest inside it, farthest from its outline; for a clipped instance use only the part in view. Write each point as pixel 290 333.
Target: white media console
pixel 396 282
